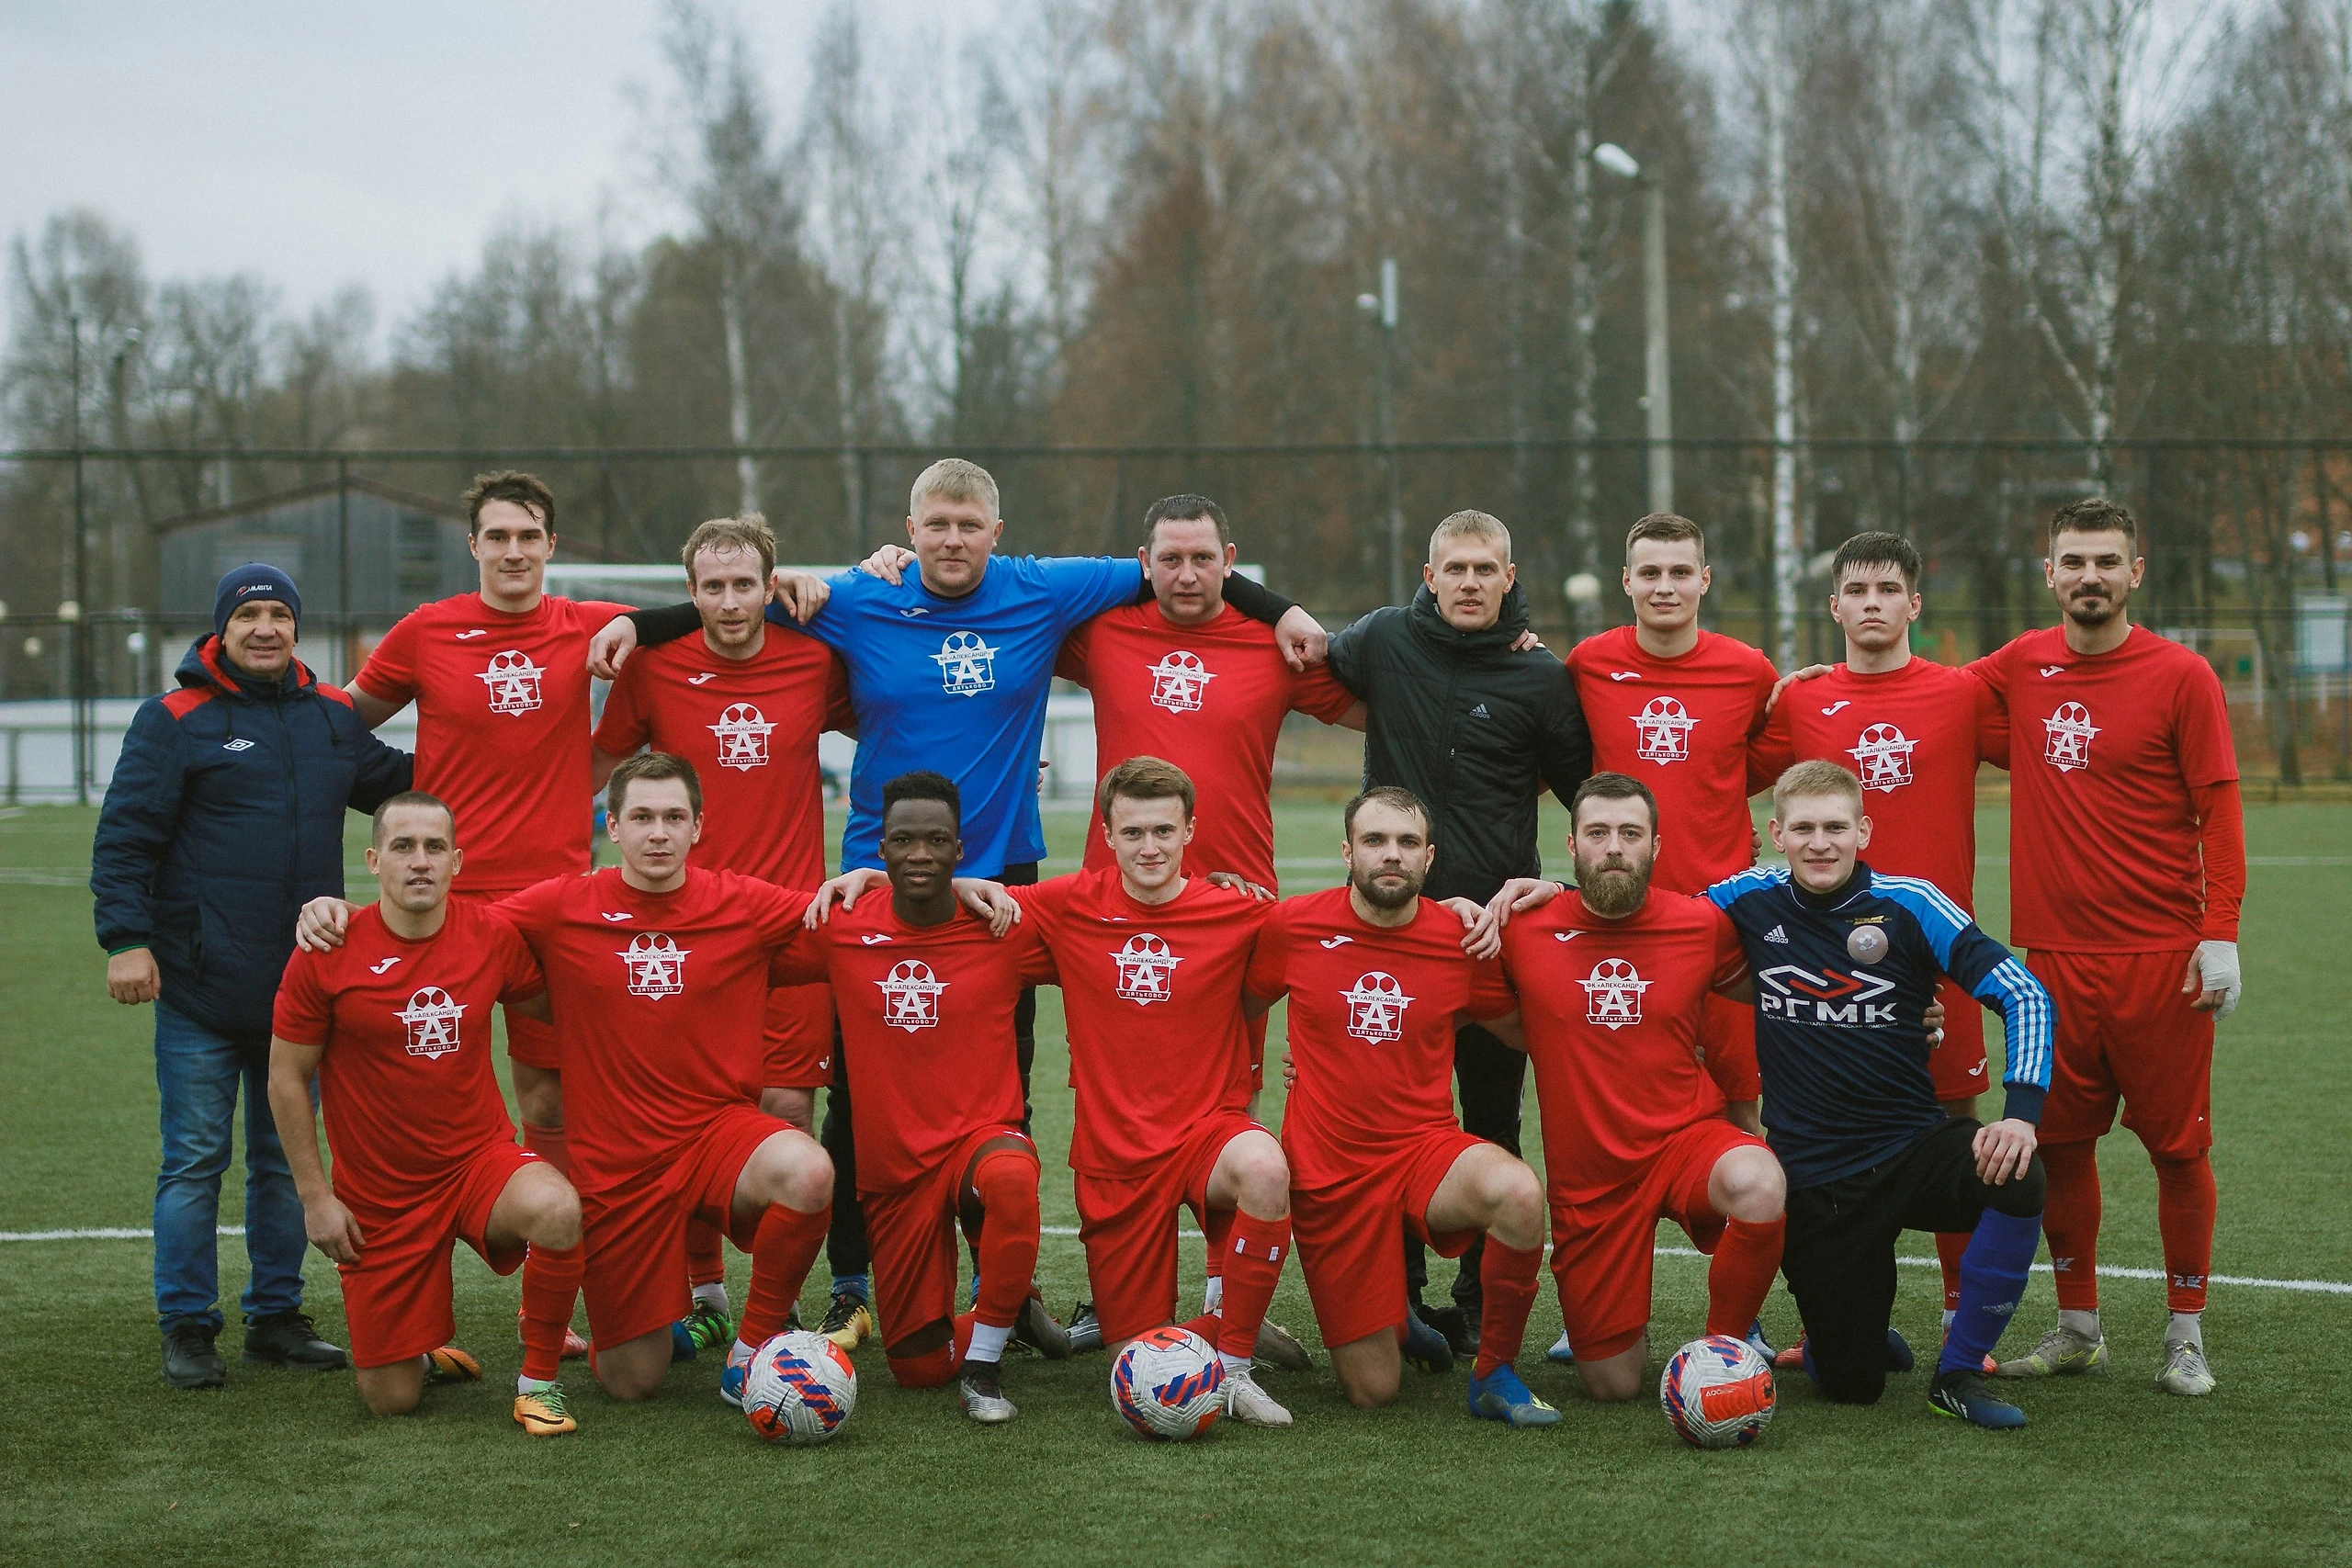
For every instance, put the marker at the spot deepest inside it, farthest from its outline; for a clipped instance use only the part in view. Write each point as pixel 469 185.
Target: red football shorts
pixel 912 1230
pixel 1127 1226
pixel 635 1280
pixel 800 1035
pixel 1346 1235
pixel 1728 1038
pixel 398 1295
pixel 1957 1064
pixel 2124 1032
pixel 528 1041
pixel 1603 1250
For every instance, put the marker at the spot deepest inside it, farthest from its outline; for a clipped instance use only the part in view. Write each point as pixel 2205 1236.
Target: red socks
pixel 1506 1277
pixel 2070 1215
pixel 1006 1180
pixel 1216 1230
pixel 782 1251
pixel 2185 1203
pixel 550 1278
pixel 1949 1245
pixel 1740 1275
pixel 706 1262
pixel 1253 1264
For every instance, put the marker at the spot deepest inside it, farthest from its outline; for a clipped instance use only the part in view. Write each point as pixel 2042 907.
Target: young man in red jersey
pixel 1377 979
pixel 744 702
pixel 925 991
pixel 1913 731
pixel 2127 866
pixel 1610 986
pixel 395 1024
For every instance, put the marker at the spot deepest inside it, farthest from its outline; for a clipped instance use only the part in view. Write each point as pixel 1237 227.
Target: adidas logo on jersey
pixel 1480 712
pixel 910 996
pixel 431 1019
pixel 1778 935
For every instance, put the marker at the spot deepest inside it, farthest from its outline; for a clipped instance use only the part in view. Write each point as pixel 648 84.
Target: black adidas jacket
pixel 1475 729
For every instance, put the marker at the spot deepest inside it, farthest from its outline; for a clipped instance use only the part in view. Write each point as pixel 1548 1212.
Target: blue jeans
pixel 199 1072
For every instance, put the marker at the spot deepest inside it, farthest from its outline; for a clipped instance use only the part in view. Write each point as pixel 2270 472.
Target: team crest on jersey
pixel 1180 681
pixel 1665 726
pixel 967 665
pixel 910 996
pixel 1147 968
pixel 2067 738
pixel 742 734
pixel 1377 1005
pixel 514 681
pixel 431 1019
pixel 1613 996
pixel 1882 757
pixel 657 966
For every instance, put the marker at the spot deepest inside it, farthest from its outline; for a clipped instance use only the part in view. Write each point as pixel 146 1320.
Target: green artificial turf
pixel 102 1464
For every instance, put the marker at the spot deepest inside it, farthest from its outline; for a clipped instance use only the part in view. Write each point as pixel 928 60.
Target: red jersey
pixel 750 727
pixel 926 1018
pixel 659 998
pixel 501 728
pixel 1683 727
pixel 1152 997
pixel 2104 854
pixel 1913 737
pixel 1612 1012
pixel 1209 698
pixel 406 1082
pixel 1372 1018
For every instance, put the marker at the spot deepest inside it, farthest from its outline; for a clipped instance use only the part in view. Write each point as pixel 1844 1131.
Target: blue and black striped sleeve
pixel 1991 974
pixel 1755 879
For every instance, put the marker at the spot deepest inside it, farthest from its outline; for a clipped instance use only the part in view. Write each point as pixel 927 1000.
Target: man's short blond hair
pixel 954 478
pixel 1814 779
pixel 1665 527
pixel 1470 525
pixel 748 532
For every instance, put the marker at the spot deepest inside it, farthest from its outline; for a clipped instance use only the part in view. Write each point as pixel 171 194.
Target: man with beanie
pixel 223 818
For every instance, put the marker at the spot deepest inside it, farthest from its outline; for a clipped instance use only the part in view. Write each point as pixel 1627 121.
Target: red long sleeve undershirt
pixel 2220 830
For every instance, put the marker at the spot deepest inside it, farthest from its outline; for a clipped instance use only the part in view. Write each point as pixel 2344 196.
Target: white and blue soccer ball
pixel 1717 1392
pixel 1168 1384
pixel 800 1389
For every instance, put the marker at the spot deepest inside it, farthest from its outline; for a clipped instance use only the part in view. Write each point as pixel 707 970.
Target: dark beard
pixel 1380 899
pixel 2093 613
pixel 1613 891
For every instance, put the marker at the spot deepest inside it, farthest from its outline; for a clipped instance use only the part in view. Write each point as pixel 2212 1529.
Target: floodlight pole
pixel 1382 308
pixel 1657 397
pixel 78 627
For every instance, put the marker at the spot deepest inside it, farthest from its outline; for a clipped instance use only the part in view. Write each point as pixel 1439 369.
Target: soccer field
pixel 105 1464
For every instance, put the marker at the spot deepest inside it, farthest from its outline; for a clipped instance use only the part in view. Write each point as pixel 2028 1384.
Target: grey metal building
pixel 360 548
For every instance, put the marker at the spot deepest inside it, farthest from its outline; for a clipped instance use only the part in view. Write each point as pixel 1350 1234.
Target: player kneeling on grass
pixel 1378 977
pixel 395 1023
pixel 1611 987
pixel 1846 962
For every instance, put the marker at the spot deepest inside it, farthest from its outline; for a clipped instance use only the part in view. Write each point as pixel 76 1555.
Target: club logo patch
pixel 910 996
pixel 1663 726
pixel 1180 681
pixel 1147 968
pixel 514 683
pixel 1613 996
pixel 1882 757
pixel 742 734
pixel 967 665
pixel 657 966
pixel 2067 742
pixel 431 1019
pixel 1377 1005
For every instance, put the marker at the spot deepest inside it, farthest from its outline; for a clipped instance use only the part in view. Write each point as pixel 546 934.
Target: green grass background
pixel 99 1463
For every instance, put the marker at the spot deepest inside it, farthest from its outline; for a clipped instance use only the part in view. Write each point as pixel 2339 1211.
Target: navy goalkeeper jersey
pixel 1843 980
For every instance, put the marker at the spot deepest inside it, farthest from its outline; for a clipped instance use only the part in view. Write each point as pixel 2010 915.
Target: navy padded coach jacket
pixel 223 818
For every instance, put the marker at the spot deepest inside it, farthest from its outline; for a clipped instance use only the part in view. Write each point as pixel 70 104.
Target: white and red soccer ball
pixel 800 1389
pixel 1168 1384
pixel 1717 1392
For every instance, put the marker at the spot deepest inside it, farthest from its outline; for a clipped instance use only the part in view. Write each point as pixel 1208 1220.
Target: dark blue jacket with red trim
pixel 223 818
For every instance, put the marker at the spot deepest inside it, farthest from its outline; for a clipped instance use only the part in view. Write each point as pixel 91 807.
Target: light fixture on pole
pixel 1657 393
pixel 1382 308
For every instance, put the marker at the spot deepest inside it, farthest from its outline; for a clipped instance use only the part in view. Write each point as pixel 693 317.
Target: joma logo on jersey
pixel 514 681
pixel 1665 726
pixel 1882 756
pixel 1613 996
pixel 1147 968
pixel 1180 681
pixel 1377 1005
pixel 2067 742
pixel 1844 1001
pixel 657 966
pixel 431 1019
pixel 967 665
pixel 910 996
pixel 742 734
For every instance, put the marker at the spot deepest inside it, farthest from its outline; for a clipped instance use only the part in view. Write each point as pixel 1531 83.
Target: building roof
pixel 412 499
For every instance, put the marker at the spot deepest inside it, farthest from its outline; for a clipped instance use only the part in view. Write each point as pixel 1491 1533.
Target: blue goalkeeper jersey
pixel 1843 981
pixel 958 686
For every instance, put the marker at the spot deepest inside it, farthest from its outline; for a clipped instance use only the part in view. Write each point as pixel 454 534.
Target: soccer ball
pixel 800 1389
pixel 1168 1384
pixel 1717 1392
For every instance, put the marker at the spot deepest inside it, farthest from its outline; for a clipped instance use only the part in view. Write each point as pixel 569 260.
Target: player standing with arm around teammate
pixel 395 1024
pixel 2127 867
